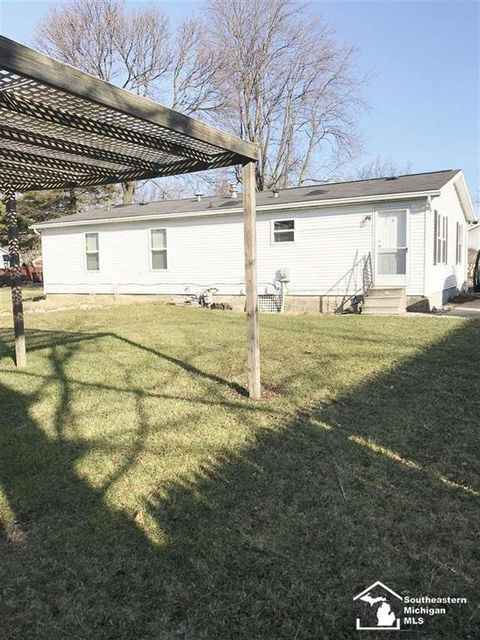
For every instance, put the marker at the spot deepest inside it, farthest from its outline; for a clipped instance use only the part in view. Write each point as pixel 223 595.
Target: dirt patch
pixel 69 302
pixel 272 391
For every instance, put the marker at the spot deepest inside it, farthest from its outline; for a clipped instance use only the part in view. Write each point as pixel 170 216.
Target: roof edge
pixel 217 212
pixel 463 194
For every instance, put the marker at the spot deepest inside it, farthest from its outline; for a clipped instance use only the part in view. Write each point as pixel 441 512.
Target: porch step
pixel 382 292
pixel 377 302
pixel 382 301
pixel 383 311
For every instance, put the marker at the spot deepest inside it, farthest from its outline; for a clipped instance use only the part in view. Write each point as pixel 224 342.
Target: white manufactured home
pixel 398 241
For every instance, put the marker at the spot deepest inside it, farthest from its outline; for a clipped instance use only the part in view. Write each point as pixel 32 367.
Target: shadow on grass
pixel 268 544
pixel 40 339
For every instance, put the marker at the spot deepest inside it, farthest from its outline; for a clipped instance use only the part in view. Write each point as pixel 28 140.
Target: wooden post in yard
pixel 14 258
pixel 253 332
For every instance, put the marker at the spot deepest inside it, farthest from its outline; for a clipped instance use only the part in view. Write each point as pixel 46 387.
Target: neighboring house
pixel 474 237
pixel 406 234
pixel 4 259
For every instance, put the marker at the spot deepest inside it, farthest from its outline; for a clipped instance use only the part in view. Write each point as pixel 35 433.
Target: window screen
pixel 158 248
pixel 283 231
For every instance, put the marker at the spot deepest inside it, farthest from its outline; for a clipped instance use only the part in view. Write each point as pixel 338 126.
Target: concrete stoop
pixel 385 301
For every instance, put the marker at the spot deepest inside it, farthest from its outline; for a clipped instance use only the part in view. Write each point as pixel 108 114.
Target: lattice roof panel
pixel 61 128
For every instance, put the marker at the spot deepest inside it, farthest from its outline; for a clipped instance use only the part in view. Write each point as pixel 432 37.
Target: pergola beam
pixel 75 148
pixel 12 171
pixel 60 126
pixel 29 63
pixel 56 164
pixel 34 179
pixel 81 123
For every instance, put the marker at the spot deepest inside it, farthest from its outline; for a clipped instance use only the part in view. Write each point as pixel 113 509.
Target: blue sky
pixel 424 95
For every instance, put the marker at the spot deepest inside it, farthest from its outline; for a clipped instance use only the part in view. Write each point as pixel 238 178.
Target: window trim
pixel 273 232
pixel 441 238
pixel 151 249
pixel 87 253
pixel 459 244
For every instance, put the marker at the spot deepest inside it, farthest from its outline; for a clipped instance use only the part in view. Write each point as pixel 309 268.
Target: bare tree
pixel 379 168
pixel 152 190
pixel 194 71
pixel 288 85
pixel 77 33
pixel 263 69
pixel 100 37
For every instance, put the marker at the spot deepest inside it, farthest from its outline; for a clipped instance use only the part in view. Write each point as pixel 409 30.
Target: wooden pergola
pixel 61 128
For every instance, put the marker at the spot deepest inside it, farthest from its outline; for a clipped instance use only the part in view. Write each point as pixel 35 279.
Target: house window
pixel 92 252
pixel 6 261
pixel 459 243
pixel 283 231
pixel 440 248
pixel 158 248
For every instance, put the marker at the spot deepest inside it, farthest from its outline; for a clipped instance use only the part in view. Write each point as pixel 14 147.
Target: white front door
pixel 391 239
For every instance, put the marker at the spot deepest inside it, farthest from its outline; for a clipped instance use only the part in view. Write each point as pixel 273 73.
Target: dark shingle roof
pixel 412 183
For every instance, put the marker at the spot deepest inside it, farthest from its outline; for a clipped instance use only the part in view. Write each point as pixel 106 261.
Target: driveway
pixel 466 310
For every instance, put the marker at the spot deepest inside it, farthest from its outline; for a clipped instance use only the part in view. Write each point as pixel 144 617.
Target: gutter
pixel 223 212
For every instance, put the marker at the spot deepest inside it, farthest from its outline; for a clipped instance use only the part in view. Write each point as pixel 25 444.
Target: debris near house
pixel 13 532
pixel 460 298
pixel 224 306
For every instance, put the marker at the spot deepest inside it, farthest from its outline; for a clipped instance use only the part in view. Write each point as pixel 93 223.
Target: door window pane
pixel 392 229
pixel 392 262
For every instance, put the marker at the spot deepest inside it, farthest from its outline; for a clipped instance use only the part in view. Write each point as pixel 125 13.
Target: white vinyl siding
pixel 444 278
pixel 92 252
pixel 325 258
pixel 158 249
pixel 416 250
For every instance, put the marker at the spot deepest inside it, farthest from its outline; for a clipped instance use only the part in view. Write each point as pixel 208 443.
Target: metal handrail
pixel 367 274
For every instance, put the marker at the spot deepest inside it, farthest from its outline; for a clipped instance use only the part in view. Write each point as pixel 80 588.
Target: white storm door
pixel 391 234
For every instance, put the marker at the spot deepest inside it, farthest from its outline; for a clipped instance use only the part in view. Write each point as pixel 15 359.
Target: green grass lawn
pixel 30 292
pixel 155 501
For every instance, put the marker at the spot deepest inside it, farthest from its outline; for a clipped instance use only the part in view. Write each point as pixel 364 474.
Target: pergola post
pixel 253 331
pixel 14 258
pixel 67 130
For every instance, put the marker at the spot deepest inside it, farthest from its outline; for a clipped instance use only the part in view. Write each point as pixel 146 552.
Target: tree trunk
pixel 259 178
pixel 128 191
pixel 73 201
